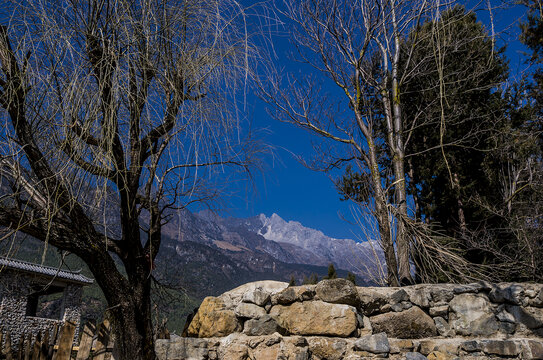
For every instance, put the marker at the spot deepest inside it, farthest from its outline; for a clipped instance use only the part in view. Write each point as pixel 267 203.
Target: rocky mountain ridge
pixel 285 241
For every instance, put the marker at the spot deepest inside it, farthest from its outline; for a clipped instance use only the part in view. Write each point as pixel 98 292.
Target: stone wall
pixel 336 320
pixel 14 291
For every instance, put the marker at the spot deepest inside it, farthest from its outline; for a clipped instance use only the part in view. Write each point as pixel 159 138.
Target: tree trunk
pixel 129 304
pixel 133 329
pixel 460 210
pixel 381 214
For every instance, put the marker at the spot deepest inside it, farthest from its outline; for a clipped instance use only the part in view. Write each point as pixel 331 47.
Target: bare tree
pixel 113 112
pixel 358 47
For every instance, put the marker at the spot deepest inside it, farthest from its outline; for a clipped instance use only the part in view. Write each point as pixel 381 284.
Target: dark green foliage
pixel 354 186
pixel 331 272
pixel 312 280
pixel 292 281
pixel 455 119
pixel 351 277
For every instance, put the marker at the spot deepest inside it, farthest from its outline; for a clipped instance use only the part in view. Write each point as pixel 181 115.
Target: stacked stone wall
pixel 336 320
pixel 14 290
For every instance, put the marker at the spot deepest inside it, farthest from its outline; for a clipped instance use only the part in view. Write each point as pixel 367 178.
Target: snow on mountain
pixel 344 253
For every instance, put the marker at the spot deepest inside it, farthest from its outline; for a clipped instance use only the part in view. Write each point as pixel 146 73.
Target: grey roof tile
pixel 69 276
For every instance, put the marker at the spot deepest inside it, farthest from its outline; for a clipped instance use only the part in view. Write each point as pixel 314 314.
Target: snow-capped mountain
pixel 272 241
pixel 343 253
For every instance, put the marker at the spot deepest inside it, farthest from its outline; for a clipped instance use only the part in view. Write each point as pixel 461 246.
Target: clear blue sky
pixel 297 193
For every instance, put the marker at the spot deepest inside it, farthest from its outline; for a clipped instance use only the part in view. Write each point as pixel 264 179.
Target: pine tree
pixel 351 277
pixel 292 281
pixel 331 272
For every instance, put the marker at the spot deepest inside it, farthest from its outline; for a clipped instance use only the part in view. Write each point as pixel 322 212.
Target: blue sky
pixel 297 193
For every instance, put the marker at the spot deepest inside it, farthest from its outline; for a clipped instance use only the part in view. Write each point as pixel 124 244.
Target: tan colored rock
pixel 316 318
pixel 213 320
pixel 234 351
pixel 409 324
pixel 327 348
pixel 401 345
pixel 446 346
pixel 264 352
pixel 438 355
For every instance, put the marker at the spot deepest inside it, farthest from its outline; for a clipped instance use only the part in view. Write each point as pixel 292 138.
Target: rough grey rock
pixel 415 356
pixel 442 311
pixel 404 305
pixel 409 324
pixel 534 350
pixel 471 346
pixel 471 314
pixel 501 347
pixel 258 296
pixel 182 348
pixel 443 327
pixel 441 294
pixel 248 310
pixel 398 297
pixel 337 291
pixel 293 294
pixel 377 344
pixel 419 296
pixel 371 300
pixel 532 318
pixel 506 293
pixel 264 325
pixel 233 297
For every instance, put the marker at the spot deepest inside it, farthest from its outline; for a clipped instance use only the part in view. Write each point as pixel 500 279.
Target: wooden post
pixel 51 343
pixel 44 349
pixel 7 347
pixel 102 341
pixel 36 348
pixel 65 342
pixel 20 348
pixel 85 343
pixel 28 347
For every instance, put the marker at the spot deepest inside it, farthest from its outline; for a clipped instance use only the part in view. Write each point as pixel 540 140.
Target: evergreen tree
pixel 312 280
pixel 351 277
pixel 292 281
pixel 331 272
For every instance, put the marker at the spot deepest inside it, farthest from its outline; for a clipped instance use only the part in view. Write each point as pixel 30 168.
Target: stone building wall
pixel 336 320
pixel 14 290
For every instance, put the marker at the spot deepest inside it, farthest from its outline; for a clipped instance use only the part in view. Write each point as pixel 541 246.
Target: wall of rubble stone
pixel 336 320
pixel 14 291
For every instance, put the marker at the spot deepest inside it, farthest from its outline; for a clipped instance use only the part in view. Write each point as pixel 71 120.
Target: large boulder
pixel 471 314
pixel 412 323
pixel 213 319
pixel 253 292
pixel 316 318
pixel 337 291
pixel 293 294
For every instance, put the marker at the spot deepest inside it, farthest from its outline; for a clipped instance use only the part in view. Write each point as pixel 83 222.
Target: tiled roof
pixel 69 276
